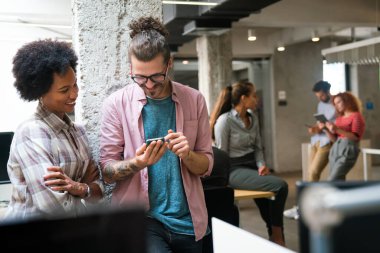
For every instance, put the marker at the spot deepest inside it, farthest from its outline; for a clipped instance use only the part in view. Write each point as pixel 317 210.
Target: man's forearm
pixel 119 170
pixel 196 163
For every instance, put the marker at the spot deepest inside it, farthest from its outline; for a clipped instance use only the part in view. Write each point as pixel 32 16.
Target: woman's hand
pixel 263 171
pixel 58 181
pixel 331 127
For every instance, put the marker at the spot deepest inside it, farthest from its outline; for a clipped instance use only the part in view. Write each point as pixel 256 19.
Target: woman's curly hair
pixel 148 36
pixel 351 102
pixel 35 63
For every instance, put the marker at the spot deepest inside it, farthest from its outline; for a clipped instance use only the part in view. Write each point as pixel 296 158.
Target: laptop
pixel 228 238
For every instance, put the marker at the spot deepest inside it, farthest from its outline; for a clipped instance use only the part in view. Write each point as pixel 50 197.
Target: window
pixel 13 110
pixel 335 74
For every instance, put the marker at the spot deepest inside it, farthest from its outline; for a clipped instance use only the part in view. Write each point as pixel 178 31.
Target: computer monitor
pixel 5 145
pixel 359 233
pixel 121 230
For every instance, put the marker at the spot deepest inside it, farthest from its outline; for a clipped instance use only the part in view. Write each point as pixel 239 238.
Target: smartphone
pixel 148 141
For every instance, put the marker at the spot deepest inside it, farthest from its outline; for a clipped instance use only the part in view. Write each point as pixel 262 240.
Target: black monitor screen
pixel 5 145
pixel 104 231
pixel 359 233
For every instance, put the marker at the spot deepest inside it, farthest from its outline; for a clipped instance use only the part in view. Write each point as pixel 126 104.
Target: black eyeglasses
pixel 155 78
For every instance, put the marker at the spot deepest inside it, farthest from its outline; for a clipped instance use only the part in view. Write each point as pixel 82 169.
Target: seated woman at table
pixel 236 130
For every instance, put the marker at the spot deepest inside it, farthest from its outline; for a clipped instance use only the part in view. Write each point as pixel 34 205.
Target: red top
pixel 353 123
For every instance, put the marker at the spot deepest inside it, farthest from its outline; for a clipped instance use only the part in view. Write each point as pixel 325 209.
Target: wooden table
pixel 247 194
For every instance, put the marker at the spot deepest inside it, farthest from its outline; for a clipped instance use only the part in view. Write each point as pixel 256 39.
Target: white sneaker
pixel 292 213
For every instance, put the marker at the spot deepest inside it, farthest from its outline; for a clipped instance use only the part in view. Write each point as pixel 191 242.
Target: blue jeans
pixel 161 240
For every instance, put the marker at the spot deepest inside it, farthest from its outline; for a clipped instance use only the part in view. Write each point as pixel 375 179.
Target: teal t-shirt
pixel 168 202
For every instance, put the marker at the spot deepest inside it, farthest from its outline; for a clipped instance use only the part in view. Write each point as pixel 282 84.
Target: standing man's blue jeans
pixel 161 240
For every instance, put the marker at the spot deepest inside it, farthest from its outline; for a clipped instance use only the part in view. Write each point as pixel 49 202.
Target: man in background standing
pixel 320 142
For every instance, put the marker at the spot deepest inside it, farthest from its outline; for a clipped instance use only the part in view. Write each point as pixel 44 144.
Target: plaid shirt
pixel 46 140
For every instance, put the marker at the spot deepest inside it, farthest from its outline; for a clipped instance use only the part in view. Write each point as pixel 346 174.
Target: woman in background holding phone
pixel 345 133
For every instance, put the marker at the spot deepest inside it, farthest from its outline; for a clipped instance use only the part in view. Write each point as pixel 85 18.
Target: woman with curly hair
pixel 50 164
pixel 345 133
pixel 236 131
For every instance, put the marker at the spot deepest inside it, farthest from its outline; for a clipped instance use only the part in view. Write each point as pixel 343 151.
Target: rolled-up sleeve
pixel 111 134
pixel 204 141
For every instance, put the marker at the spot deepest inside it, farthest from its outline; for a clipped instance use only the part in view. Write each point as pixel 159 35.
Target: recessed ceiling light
pixel 251 35
pixel 189 2
pixel 314 36
pixel 37 25
pixel 280 48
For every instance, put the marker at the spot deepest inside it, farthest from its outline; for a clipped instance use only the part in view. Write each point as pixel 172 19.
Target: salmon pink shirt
pixel 353 123
pixel 122 133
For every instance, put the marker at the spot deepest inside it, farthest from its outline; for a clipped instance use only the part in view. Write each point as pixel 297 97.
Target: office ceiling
pixel 275 21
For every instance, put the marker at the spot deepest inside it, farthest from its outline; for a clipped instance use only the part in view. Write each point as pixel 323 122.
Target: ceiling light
pixel 37 25
pixel 189 2
pixel 314 37
pixel 185 62
pixel 280 48
pixel 251 35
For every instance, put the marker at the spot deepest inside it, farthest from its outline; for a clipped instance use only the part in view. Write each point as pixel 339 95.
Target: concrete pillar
pixel 101 39
pixel 214 65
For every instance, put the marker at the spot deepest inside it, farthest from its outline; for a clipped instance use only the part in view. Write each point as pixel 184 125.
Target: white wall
pixel 13 110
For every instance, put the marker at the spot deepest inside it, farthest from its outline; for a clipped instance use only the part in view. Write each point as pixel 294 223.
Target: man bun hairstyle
pixel 149 39
pixel 146 24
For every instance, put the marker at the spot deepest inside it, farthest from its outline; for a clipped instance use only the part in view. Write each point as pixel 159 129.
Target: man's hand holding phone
pixel 150 152
pixel 149 141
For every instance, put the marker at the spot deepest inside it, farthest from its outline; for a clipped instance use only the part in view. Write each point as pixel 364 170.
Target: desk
pixel 369 151
pixel 247 194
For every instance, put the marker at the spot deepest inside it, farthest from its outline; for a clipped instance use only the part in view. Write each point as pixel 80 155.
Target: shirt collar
pixel 55 122
pixel 236 114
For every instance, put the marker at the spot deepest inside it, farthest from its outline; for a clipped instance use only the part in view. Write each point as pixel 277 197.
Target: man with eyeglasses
pixel 165 174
